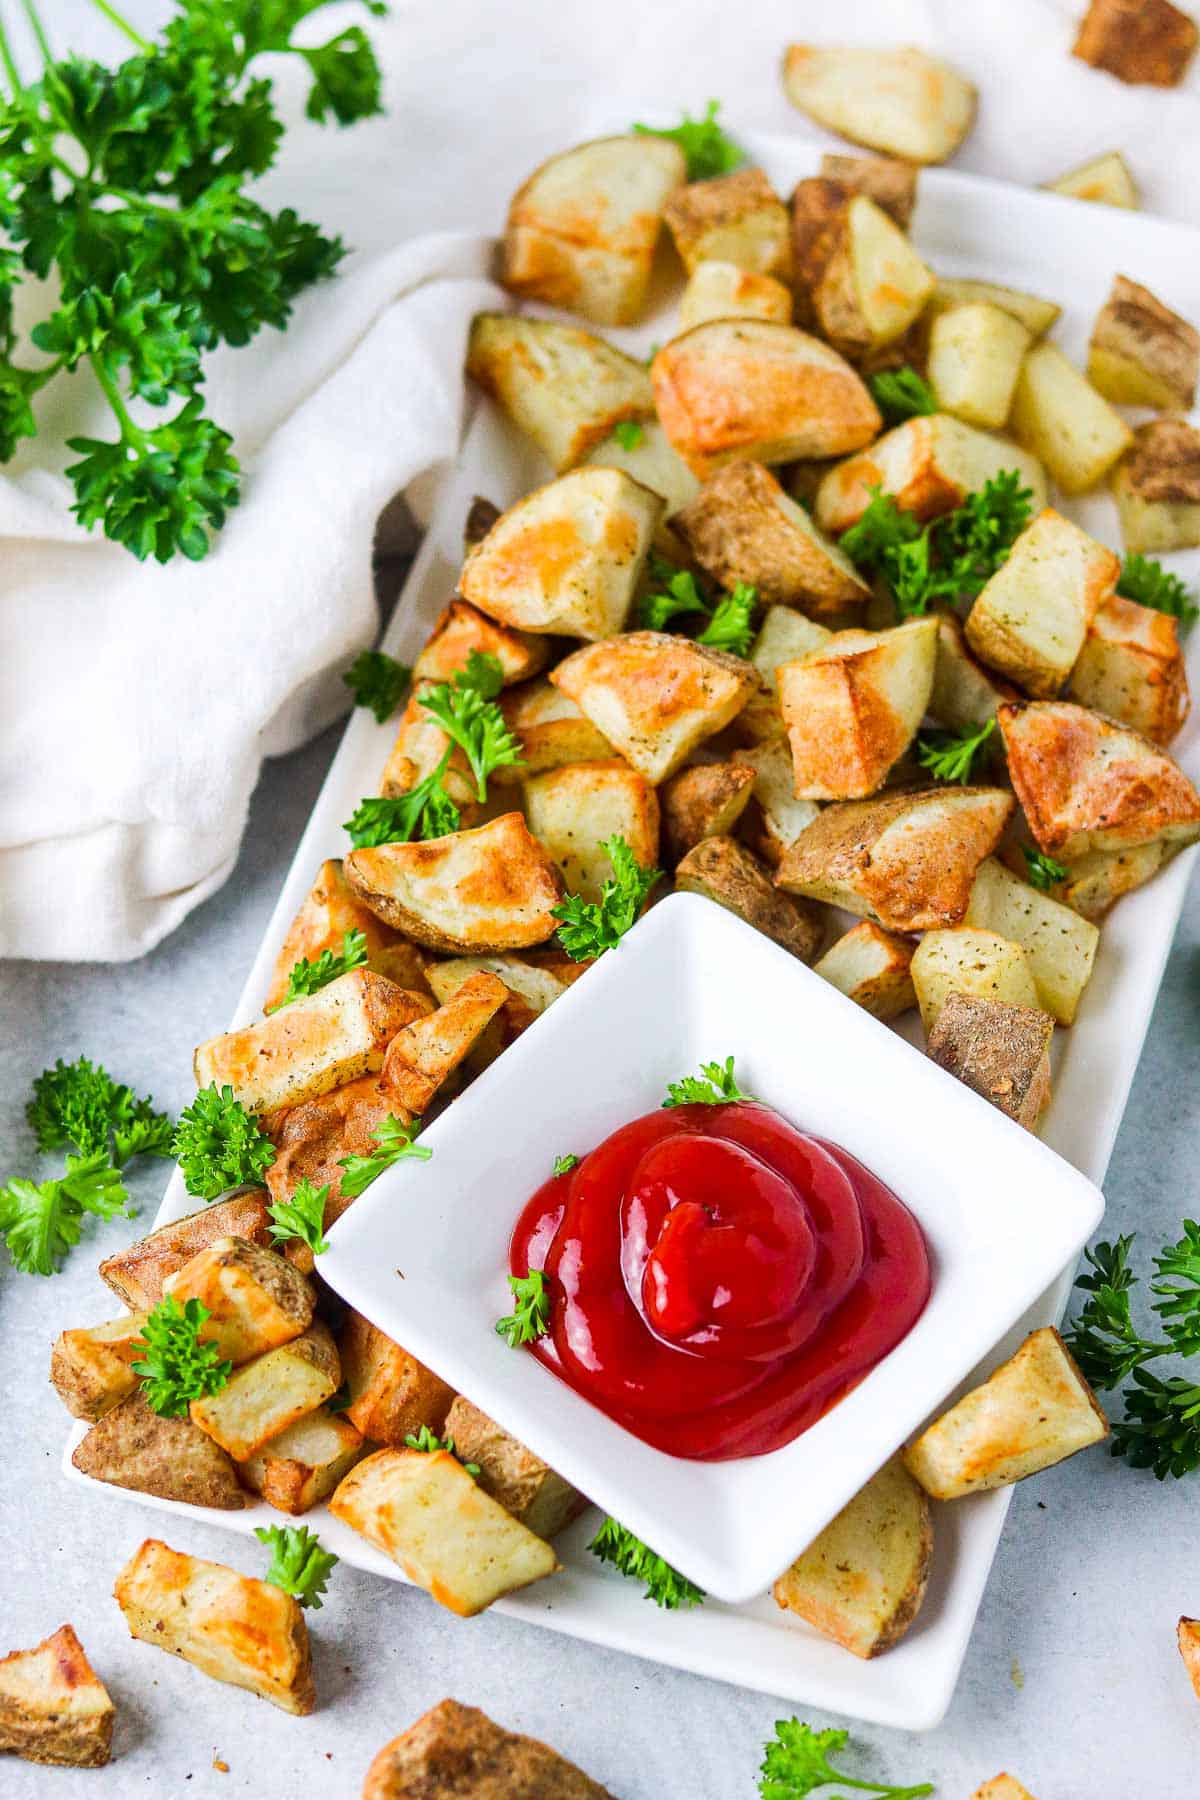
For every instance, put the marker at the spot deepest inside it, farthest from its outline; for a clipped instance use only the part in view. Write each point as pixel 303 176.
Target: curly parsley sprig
pixel 902 394
pixel 219 1145
pixel 466 710
pixel 1042 870
pixel 426 811
pixel 952 755
pixel 589 927
pixel 796 1762
pixel 427 1442
pixel 709 151
pixel 952 557
pixel 301 1216
pixel 378 681
pixel 677 595
pixel 717 1088
pixel 1146 581
pixel 178 1365
pixel 81 1105
pixel 307 978
pixel 530 1316
pixel 298 1563
pixel 395 1138
pixel 627 1553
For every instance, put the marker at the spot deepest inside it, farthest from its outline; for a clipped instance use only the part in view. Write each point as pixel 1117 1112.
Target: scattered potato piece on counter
pixel 455 1749
pixel 229 1626
pixel 422 1057
pixel 1060 946
pixel 564 387
pixel 737 218
pixel 872 284
pixel 329 912
pixel 862 1581
pixel 1031 619
pixel 89 1365
pixel 905 860
pixel 929 465
pixel 462 629
pixel 652 460
pixel 899 101
pixel 1139 41
pixel 975 353
pixel 490 888
pixel 265 1396
pixel 872 967
pixel 743 527
pixel 1031 1412
pixel 966 960
pixel 1131 667
pixel 523 1484
pixel 1096 882
pixel 132 1447
pixel 1059 416
pixel 965 695
pixel 1000 1050
pixel 300 1467
pixel 780 817
pixel 54 1708
pixel 581 231
pixel 573 810
pixel 703 801
pixel 551 731
pixel 852 708
pixel 311 1140
pixel 722 290
pixel 1141 353
pixel 1104 179
pixel 890 181
pixel 738 389
pixel 1002 1787
pixel 391 1394
pixel 1037 315
pixel 1157 487
pixel 723 870
pixel 423 1510
pixel 136 1274
pixel 1188 1639
pixel 256 1299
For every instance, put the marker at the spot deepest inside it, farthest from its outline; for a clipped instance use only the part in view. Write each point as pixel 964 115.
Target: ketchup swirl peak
pixel 719 1279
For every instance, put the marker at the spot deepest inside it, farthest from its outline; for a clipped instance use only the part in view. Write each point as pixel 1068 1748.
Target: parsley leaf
pixel 589 927
pixel 377 680
pixel 395 1139
pixel 1103 1339
pixel 467 712
pixel 41 1221
pixel 80 1104
pixel 731 626
pixel 530 1317
pixel 717 1088
pixel 901 394
pixel 1146 581
pixel 629 433
pixel 1177 1286
pixel 796 1762
pixel 730 616
pixel 426 1441
pixel 952 557
pixel 564 1164
pixel 678 595
pixel 951 755
pixel 426 811
pixel 298 1564
pixel 664 1585
pixel 709 152
pixel 219 1146
pixel 302 1216
pixel 310 977
pixel 1042 870
pixel 178 1365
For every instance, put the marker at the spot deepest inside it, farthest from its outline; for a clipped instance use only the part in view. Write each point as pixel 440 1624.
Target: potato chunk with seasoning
pixel 704 801
pixel 1131 668
pixel 928 465
pixel 54 1708
pixel 872 967
pixel 999 1050
pixel 573 811
pixel 391 1394
pixel 872 284
pixel 265 1396
pixel 297 1469
pixel 975 353
pixel 1035 314
pixel 90 1366
pixel 1002 1787
pixel 462 629
pixel 330 910
pixel 132 1447
pixel 454 1749
pixel 966 960
pixel 1032 616
pixel 965 696
pixel 721 290
pixel 422 1057
pixel 1139 41
pixel 1060 947
pixel 136 1274
pixel 523 1484
pixel 1058 415
pixel 1157 487
pixel 737 218
pixel 1141 353
pixel 901 101
pixel 852 707
pixel 1188 1638
pixel 312 1139
pixel 890 181
pixel 255 1299
pixel 723 870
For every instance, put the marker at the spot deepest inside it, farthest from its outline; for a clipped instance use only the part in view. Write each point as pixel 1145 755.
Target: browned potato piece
pixel 523 1484
pixel 581 231
pixel 89 1367
pixel 901 102
pixel 862 1581
pixel 131 1447
pixel 391 1394
pixel 301 1466
pixel 54 1708
pixel 461 629
pixel 1188 1639
pixel 651 460
pixel 1131 667
pixel 817 207
pixel 704 801
pixel 872 967
pixel 887 180
pixel 720 290
pixel 565 388
pixel 421 1057
pixel 492 888
pixel 255 1299
pixel 965 696
pixel 1139 41
pixel 928 465
pixel 905 860
pixel 872 284
pixel 776 817
pixel 1032 617
pixel 454 1749
pixel 528 990
pixel 785 635
pixel 1106 180
pixel 1157 487
pixel 551 731
pixel 136 1274
pixel 852 708
pixel 1061 948
pixel 423 1510
pixel 1141 353
pixel 1000 1050
pixel 1002 1787
pixel 1087 784
pixel 311 1141
pixel 736 218
pixel 654 696
pixel 743 527
pixel 1096 882
pixel 265 1396
pixel 573 810
pixel 969 960
pixel 1059 416
pixel 723 870
pixel 330 911
pixel 742 388
pixel 227 1625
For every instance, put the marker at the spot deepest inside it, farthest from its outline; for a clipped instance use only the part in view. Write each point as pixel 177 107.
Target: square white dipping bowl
pixel 1002 1215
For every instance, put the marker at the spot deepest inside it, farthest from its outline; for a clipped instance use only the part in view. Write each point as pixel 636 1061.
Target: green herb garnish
pixel 629 433
pixel 951 558
pixel 664 1585
pixel 707 149
pixel 796 1762
pixel 81 1105
pixel 426 811
pixel 377 680
pixel 395 1139
pixel 564 1164
pixel 718 1087
pixel 901 394
pixel 41 1221
pixel 219 1146
pixel 731 626
pixel 426 1441
pixel 178 1365
pixel 530 1317
pixel 1146 581
pixel 309 978
pixel 301 1216
pixel 298 1564
pixel 1042 870
pixel 951 755
pixel 589 927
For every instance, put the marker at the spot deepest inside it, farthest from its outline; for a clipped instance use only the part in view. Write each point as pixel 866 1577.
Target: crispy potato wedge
pixel 551 730
pixel 137 1273
pixel 901 102
pixel 965 695
pixel 1086 783
pixel 722 290
pixel 1131 667
pixel 1061 948
pixel 131 1447
pixel 723 870
pixel 737 218
pixel 462 629
pixel 256 1300
pixel 929 466
pixel 738 389
pixel 704 801
pixel 1157 487
pixel 1141 353
pixel 862 1581
pixel 779 817
pixel 872 967
pixel 1139 41
pixel 421 1058
pixel 90 1365
pixel 652 460
pixel 890 181
pixel 1002 1787
pixel 423 1510
pixel 743 527
pixel 573 810
pixel 966 960
pixel 581 231
pixel 229 1626
pixel 872 284
pixel 1096 882
pixel 1188 1638
pixel 567 557
pixel 311 1140
pixel 1031 619
pixel 1104 179
pixel 454 1749
pixel 1037 315
pixel 1058 415
pixel 330 911
pixel 54 1708
pixel 1031 1412
pixel 529 990
pixel 906 860
pixel 521 1482
pixel 655 697
pixel 975 353
pixel 265 1396
pixel 852 708
pixel 297 1469
pixel 818 207
pixel 1000 1050
pixel 391 1394
pixel 491 888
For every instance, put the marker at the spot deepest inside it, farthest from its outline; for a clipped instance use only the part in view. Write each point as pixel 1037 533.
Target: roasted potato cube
pixel 265 1396
pixel 872 284
pixel 901 102
pixel 1131 667
pixel 136 1274
pixel 423 1510
pixel 1031 1412
pixel 818 208
pixel 255 1299
pixel 311 1141
pixel 743 527
pixel 491 888
pixel 462 629
pixel 1002 1051
pixel 1141 353
pixel 738 389
pixel 654 696
pixel 454 1749
pixel 905 860
pixel 90 1366
pixel 785 635
pixel 862 1581
pixel 1037 315
pixel 132 1447
pixel 1139 41
pixel 1157 487
pixel 780 817
pixel 551 731
pixel 1088 784
pixel 722 290
pixel 852 708
pixel 1058 415
pixel 966 960
pixel 54 1708
pixel 329 912
pixel 889 181
pixel 1002 1787
pixel 1188 1639
pixel 975 353
pixel 572 811
pixel 651 459
pixel 528 992
pixel 736 218
pixel 1032 617
pixel 723 870
pixel 929 466
pixel 391 1394
pixel 704 801
pixel 1060 946
pixel 421 1058
pixel 965 696
pixel 567 557
pixel 301 1466
pixel 523 1484
pixel 1104 179
pixel 872 967
pixel 1096 882
pixel 229 1626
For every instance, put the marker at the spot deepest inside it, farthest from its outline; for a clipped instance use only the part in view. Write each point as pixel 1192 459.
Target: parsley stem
pixel 114 17
pixel 10 67
pixel 132 434
pixel 31 13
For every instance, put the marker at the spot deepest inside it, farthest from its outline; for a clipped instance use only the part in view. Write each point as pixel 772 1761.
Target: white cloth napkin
pixel 136 703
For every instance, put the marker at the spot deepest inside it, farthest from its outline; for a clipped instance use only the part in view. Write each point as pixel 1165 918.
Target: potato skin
pixel 1138 41
pixel 1157 487
pixel 90 1367
pixel 523 1484
pixel 311 1140
pixel 136 1274
pixel 455 1749
pixel 256 1300
pixel 999 1050
pixel 890 181
pixel 703 801
pixel 1141 353
pixel 735 218
pixel 131 1447
pixel 54 1708
pixel 723 870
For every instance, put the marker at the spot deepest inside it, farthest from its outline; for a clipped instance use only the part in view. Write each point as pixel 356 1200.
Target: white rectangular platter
pixel 1068 251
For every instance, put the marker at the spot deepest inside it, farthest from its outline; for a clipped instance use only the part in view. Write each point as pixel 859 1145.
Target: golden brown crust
pixel 90 1366
pixel 53 1706
pixel 1139 41
pixel 817 209
pixel 1188 1638
pixel 330 910
pixel 704 801
pixel 523 1484
pixel 132 1447
pixel 421 1057
pixel 455 1750
pixel 256 1299
pixel 887 180
pixel 302 1465
pixel 462 628
pixel 1164 464
pixel 391 1394
pixel 1000 1051
pixel 723 870
pixel 853 707
pixel 735 218
pixel 136 1275
pixel 872 967
pixel 1131 668
pixel 312 1139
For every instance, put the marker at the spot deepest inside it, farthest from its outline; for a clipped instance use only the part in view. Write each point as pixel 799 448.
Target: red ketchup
pixel 718 1279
